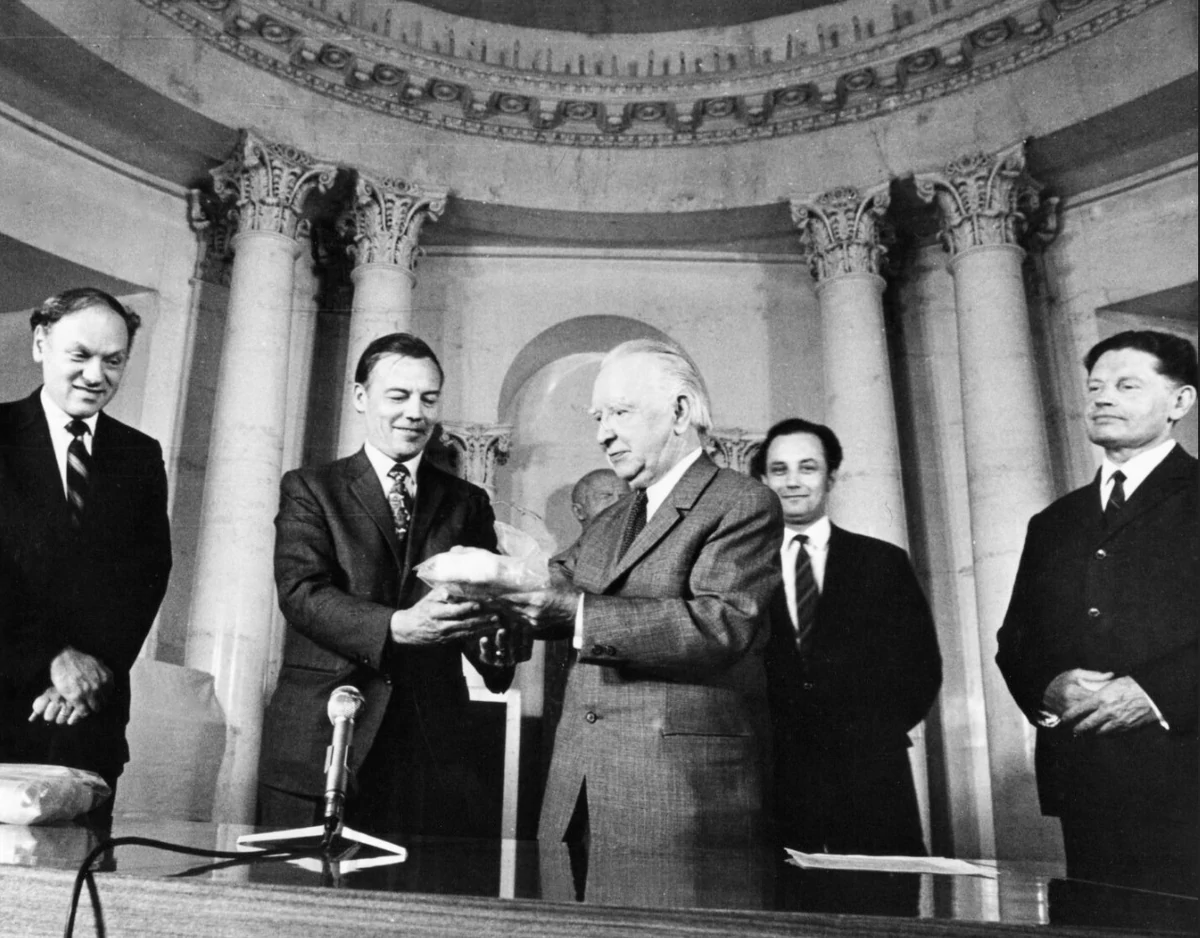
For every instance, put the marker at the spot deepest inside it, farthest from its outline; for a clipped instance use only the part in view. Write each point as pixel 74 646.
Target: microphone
pixel 344 704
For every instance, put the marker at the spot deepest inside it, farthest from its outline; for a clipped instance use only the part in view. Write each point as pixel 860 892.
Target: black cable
pixel 84 875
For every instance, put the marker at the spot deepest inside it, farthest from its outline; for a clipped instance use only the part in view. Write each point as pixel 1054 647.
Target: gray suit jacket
pixel 665 709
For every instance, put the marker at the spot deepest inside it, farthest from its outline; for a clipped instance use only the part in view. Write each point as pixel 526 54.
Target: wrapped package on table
pixel 474 573
pixel 44 794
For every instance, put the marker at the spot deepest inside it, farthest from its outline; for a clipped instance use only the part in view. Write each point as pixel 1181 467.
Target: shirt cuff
pixel 1162 721
pixel 1048 720
pixel 577 638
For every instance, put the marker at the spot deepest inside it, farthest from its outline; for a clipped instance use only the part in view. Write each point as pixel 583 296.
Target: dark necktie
pixel 1116 499
pixel 400 500
pixel 79 472
pixel 634 522
pixel 806 594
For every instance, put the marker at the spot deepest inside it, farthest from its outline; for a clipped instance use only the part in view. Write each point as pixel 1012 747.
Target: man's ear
pixel 1185 398
pixel 40 335
pixel 833 477
pixel 683 414
pixel 578 512
pixel 360 398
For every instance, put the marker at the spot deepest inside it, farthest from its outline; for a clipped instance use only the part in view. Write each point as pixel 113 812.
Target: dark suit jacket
pixel 665 709
pixel 341 574
pixel 97 590
pixel 1121 600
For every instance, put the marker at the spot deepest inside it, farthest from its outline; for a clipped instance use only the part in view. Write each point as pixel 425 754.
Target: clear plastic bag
pixel 473 573
pixel 43 794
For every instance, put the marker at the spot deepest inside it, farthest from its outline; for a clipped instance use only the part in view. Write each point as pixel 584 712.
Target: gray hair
pixel 679 372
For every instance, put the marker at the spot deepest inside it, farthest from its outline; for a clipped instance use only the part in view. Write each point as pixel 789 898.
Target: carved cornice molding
pixel 387 218
pixel 733 449
pixel 215 223
pixel 479 448
pixel 840 230
pixel 983 199
pixel 267 184
pixel 775 95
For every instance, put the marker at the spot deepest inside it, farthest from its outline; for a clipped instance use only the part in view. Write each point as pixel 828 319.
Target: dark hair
pixel 789 427
pixel 79 298
pixel 1176 356
pixel 396 343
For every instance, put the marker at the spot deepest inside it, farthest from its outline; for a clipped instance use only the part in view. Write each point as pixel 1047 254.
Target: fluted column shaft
pixel 839 230
pixel 229 629
pixel 386 224
pixel 1008 470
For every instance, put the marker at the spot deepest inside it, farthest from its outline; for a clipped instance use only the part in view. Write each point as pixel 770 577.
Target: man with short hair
pixel 1099 643
pixel 594 492
pixel 664 597
pixel 853 663
pixel 348 537
pixel 85 544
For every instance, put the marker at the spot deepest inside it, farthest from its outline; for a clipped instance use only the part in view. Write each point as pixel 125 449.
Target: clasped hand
pixel 549 613
pixel 438 619
pixel 1097 702
pixel 80 686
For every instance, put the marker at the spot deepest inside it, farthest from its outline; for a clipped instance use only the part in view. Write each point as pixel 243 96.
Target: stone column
pixel 478 448
pixel 233 597
pixel 1008 473
pixel 840 232
pixel 386 223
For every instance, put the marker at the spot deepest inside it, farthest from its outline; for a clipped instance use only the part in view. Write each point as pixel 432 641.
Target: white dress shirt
pixel 61 437
pixel 382 464
pixel 818 534
pixel 1136 469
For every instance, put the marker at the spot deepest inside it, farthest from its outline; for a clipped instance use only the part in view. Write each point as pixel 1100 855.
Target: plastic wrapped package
pixel 473 573
pixel 43 794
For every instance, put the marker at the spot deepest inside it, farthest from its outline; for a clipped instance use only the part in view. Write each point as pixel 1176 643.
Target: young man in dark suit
pixel 853 664
pixel 348 537
pixel 1099 643
pixel 85 547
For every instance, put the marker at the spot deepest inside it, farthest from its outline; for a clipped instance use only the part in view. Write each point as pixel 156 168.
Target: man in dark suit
pixel 85 546
pixel 348 537
pixel 853 664
pixel 664 597
pixel 1099 643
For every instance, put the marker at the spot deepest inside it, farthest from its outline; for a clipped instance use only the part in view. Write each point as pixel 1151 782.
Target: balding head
pixel 595 492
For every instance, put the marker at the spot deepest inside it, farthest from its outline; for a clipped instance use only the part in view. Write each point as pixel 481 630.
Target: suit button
pixel 807 685
pixel 590 717
pixel 610 650
pixel 1093 613
pixel 1101 554
pixel 597 651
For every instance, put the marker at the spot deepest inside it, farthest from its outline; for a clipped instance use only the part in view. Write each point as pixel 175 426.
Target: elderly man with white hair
pixel 664 598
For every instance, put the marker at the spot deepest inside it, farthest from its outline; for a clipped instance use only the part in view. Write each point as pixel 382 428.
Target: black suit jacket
pixel 873 669
pixel 96 590
pixel 341 573
pixel 1121 600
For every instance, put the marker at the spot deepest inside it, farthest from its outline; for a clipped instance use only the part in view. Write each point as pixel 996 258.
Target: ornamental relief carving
pixel 840 230
pixel 386 219
pixel 733 449
pixel 473 451
pixel 544 101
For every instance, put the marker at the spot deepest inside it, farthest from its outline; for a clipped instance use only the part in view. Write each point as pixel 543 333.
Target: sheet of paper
pixel 941 865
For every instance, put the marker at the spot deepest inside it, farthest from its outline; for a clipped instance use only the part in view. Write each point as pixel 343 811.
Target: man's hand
pixel 1071 688
pixel 1116 706
pixel 81 679
pixel 438 620
pixel 52 707
pixel 507 646
pixel 548 612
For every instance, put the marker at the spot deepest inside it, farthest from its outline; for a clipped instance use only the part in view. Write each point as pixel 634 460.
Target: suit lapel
pixel 33 457
pixel 1166 477
pixel 365 487
pixel 431 492
pixel 836 564
pixel 673 509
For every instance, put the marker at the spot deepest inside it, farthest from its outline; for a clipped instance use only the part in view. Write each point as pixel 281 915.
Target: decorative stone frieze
pixel 479 448
pixel 267 184
pixel 215 223
pixel 387 218
pixel 799 73
pixel 733 449
pixel 983 200
pixel 840 230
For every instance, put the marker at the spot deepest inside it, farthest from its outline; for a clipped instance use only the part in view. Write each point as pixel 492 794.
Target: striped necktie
pixel 634 522
pixel 806 595
pixel 79 472
pixel 400 500
pixel 1116 499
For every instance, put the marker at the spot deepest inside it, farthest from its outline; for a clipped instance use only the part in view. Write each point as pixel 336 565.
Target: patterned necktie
pixel 400 499
pixel 1116 499
pixel 634 522
pixel 806 594
pixel 79 472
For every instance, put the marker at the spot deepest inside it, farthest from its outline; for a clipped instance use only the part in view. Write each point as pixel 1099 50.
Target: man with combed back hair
pixel 1099 643
pixel 664 597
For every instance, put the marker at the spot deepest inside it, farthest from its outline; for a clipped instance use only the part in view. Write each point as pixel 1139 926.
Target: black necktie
pixel 400 500
pixel 634 522
pixel 79 472
pixel 1116 499
pixel 806 594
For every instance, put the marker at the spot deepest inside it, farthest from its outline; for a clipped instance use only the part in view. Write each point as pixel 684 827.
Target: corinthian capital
pixel 733 449
pixel 268 183
pixel 839 230
pixel 480 448
pixel 388 215
pixel 215 223
pixel 982 199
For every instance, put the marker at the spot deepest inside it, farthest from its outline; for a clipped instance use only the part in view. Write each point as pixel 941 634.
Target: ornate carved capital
pixel 387 219
pixel 840 230
pixel 983 200
pixel 479 448
pixel 733 449
pixel 215 223
pixel 268 183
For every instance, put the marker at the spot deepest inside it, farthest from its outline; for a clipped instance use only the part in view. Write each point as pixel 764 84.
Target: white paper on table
pixel 845 861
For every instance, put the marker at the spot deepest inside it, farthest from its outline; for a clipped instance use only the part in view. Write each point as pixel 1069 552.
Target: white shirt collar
pixel 818 534
pixel 1136 469
pixel 382 464
pixel 657 492
pixel 59 418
